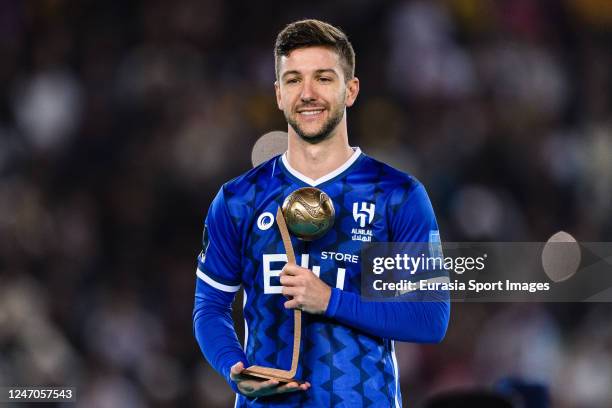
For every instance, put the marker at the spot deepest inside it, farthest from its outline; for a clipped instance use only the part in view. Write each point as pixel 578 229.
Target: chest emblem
pixel 363 214
pixel 265 221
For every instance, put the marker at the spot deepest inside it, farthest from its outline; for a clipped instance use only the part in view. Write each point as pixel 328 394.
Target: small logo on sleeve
pixel 435 244
pixel 205 243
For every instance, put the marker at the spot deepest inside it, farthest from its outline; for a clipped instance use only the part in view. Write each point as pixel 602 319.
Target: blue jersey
pixel 243 248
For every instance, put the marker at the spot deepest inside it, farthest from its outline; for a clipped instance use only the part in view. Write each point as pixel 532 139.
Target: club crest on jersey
pixel 265 221
pixel 363 213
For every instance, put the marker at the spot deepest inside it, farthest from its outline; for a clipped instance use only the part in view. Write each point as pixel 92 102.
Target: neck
pixel 317 160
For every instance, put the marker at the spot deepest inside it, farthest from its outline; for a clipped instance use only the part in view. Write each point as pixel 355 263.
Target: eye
pixel 291 81
pixel 325 79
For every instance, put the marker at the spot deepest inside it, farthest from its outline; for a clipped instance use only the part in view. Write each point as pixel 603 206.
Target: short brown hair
pixel 309 33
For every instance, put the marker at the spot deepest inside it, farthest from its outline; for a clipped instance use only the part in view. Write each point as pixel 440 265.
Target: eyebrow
pixel 318 71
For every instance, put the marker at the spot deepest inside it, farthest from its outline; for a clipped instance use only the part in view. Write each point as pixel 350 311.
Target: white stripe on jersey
pixel 396 372
pixel 215 284
pixel 329 176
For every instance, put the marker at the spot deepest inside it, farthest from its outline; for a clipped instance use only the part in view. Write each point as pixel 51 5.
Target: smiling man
pixel 347 357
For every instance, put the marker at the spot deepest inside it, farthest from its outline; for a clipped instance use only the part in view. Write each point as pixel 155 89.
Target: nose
pixel 308 93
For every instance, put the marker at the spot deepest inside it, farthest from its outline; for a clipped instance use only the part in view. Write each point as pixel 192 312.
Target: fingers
pixel 257 388
pixel 270 387
pixel 291 269
pixel 266 385
pixel 289 280
pixel 236 370
pixel 292 387
pixel 293 291
pixel 292 304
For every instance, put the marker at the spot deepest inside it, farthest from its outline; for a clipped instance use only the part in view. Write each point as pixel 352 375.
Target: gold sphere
pixel 309 213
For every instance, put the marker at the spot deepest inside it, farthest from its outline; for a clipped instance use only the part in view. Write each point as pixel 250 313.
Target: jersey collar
pixel 328 176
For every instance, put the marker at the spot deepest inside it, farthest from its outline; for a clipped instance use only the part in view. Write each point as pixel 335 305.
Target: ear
pixel 352 90
pixel 278 95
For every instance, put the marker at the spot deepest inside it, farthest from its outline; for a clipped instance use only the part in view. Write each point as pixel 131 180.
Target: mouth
pixel 311 113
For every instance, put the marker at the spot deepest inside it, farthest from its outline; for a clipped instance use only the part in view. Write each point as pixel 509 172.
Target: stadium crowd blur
pixel 120 120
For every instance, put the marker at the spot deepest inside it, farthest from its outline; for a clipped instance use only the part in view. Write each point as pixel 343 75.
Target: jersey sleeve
pixel 403 320
pixel 411 216
pixel 414 227
pixel 219 262
pixel 218 280
pixel 413 316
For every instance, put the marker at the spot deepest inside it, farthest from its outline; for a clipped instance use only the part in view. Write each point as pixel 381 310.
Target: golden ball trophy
pixel 308 213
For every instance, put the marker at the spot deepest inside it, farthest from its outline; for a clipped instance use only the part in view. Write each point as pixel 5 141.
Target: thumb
pixel 236 369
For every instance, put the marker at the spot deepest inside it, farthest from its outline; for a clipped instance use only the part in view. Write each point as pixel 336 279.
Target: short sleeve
pixel 219 262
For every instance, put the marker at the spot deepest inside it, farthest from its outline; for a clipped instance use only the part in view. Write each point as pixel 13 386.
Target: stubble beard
pixel 325 132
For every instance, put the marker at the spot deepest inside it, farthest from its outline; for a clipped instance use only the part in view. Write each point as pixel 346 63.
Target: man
pixel 347 356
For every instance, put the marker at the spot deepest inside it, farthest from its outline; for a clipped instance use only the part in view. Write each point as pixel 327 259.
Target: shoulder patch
pixel 435 244
pixel 205 243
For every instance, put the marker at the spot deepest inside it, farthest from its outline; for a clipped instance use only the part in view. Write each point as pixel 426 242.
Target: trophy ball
pixel 309 213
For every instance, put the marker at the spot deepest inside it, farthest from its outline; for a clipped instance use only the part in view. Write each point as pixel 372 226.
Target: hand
pixel 304 289
pixel 260 388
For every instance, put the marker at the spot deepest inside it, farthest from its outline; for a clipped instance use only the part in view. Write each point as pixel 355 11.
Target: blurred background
pixel 119 121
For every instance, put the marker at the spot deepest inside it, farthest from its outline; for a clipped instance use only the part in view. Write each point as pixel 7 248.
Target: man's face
pixel 312 92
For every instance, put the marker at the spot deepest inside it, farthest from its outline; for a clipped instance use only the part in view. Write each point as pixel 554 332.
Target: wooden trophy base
pixel 267 373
